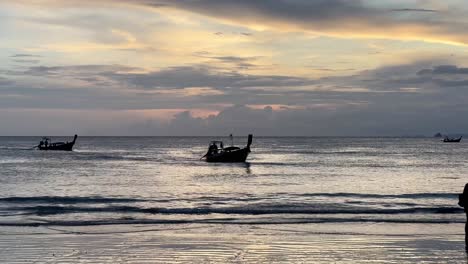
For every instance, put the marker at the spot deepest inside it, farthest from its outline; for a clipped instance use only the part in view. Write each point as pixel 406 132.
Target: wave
pixel 240 197
pixel 56 210
pixel 93 156
pixel 68 200
pixel 18 148
pixel 245 210
pixel 232 221
pixel 348 152
pixel 372 195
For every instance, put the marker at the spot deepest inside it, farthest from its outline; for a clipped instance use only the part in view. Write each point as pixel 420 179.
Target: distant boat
pixel 438 135
pixel 452 140
pixel 46 145
pixel 218 153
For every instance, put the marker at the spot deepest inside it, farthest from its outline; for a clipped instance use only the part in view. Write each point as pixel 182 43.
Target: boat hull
pixel 231 156
pixel 63 147
pixel 59 145
pixel 449 140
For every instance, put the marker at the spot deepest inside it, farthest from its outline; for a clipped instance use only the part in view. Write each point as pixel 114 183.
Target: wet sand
pixel 309 243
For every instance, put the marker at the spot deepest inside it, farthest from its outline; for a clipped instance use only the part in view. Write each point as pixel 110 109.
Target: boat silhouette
pixel 218 153
pixel 452 140
pixel 65 146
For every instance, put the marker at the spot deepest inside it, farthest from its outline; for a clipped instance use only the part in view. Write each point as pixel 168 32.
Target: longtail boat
pixel 218 153
pixel 451 140
pixel 46 145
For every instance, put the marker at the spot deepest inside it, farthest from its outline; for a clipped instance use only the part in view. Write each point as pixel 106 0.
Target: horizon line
pixel 264 136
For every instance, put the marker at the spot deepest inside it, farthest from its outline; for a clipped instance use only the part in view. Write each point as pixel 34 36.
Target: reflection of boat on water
pixel 46 145
pixel 451 140
pixel 218 153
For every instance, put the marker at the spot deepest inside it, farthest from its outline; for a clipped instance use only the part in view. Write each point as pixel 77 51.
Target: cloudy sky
pixel 215 67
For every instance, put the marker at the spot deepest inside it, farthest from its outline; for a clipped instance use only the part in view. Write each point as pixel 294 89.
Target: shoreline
pixel 301 243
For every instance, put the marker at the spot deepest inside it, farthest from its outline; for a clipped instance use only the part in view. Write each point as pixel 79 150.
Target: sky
pixel 216 67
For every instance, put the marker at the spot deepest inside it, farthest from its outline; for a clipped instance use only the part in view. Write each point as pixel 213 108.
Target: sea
pixel 295 200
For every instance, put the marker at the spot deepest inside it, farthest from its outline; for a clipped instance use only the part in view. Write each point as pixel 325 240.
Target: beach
pixel 236 244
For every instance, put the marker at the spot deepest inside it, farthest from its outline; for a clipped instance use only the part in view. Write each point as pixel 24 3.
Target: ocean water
pixel 330 187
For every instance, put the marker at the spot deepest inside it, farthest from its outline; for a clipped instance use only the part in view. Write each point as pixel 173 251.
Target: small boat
pixel 451 140
pixel 66 146
pixel 218 153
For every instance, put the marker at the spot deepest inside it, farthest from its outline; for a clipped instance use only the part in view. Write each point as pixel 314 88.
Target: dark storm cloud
pixel 395 100
pixel 228 59
pixel 116 87
pixel 319 10
pixel 234 61
pixel 388 78
pixel 413 10
pixel 168 78
pixel 336 17
pixel 444 69
pixel 347 120
pixel 315 68
pixel 422 75
pixel 342 18
pixel 257 89
pixel 188 76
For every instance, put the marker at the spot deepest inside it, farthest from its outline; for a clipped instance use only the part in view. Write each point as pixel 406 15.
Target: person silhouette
pixel 463 202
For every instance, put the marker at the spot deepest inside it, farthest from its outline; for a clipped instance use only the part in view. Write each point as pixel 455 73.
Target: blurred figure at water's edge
pixel 463 202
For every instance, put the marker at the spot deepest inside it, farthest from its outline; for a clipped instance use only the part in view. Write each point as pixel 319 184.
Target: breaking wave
pixel 248 210
pixel 302 208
